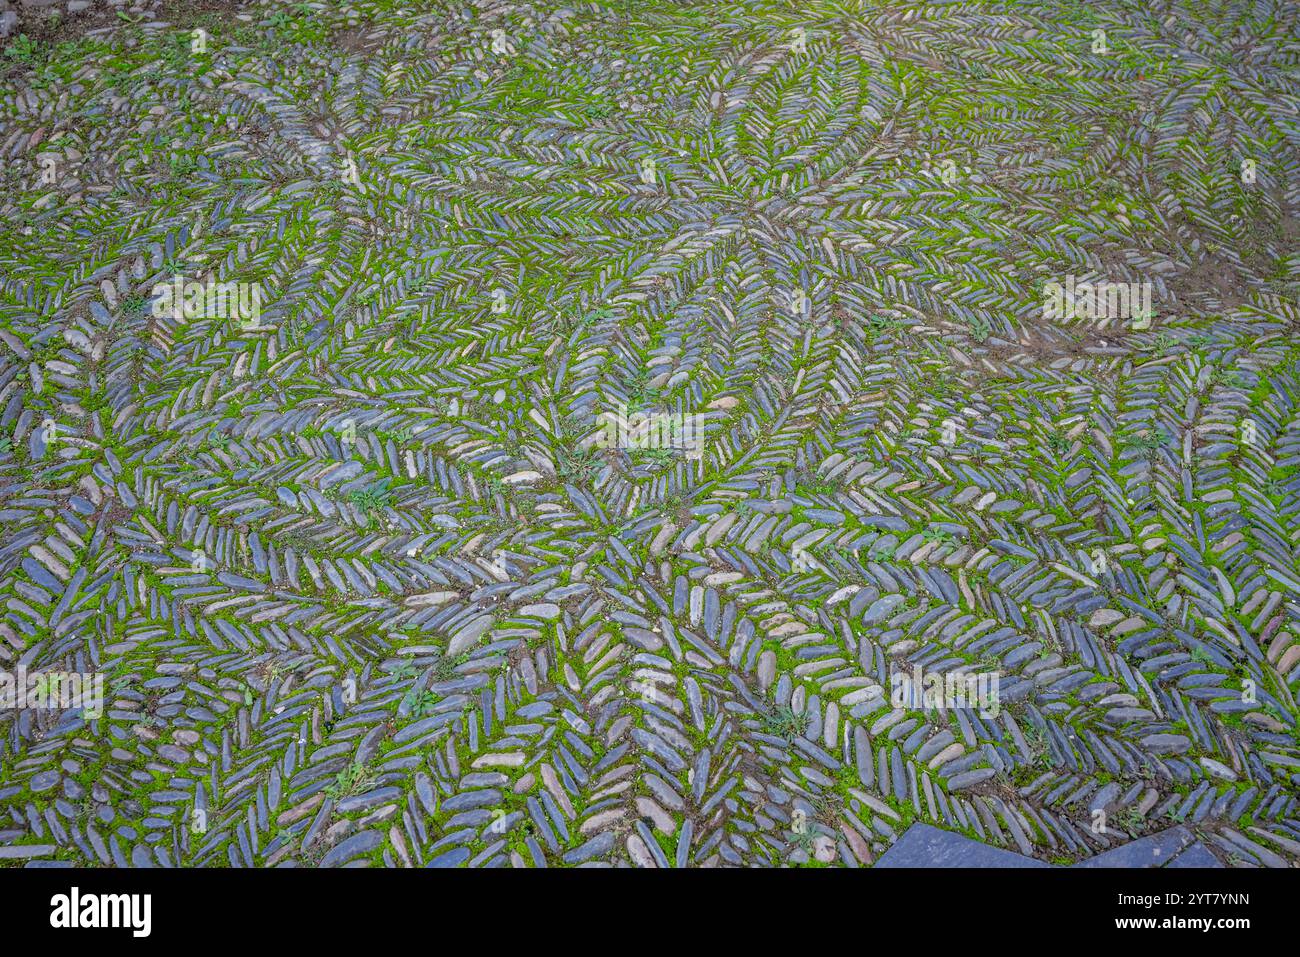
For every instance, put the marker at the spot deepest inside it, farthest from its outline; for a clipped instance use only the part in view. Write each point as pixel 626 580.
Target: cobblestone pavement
pixel 654 434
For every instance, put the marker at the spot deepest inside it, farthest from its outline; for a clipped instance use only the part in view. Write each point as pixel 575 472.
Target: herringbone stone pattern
pixel 612 403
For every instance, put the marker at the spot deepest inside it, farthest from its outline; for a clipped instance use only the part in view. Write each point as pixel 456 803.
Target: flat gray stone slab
pixel 1197 855
pixel 1154 850
pixel 924 845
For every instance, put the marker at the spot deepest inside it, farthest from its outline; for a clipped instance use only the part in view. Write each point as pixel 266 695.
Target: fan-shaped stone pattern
pixel 368 582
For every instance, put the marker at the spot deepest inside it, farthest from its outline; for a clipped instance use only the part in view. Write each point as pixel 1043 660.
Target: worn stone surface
pixel 1155 850
pixel 926 846
pixel 644 434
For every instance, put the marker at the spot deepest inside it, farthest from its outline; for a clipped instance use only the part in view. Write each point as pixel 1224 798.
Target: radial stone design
pixel 621 434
